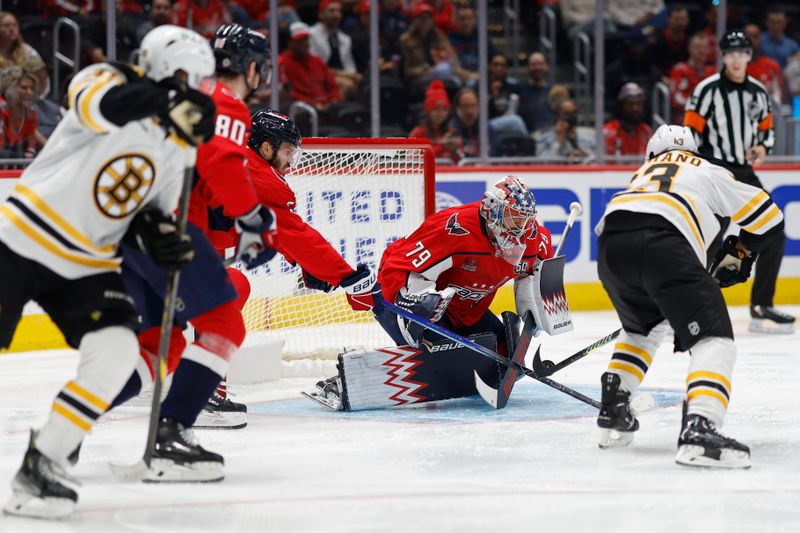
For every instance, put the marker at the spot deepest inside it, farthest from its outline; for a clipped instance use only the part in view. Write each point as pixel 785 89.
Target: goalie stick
pixel 444 332
pixel 138 471
pixel 547 367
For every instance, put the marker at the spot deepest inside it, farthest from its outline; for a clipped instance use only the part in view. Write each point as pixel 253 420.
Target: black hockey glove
pixel 156 234
pixel 257 229
pixel 189 113
pixel 731 265
pixel 428 305
pixel 315 283
pixel 362 289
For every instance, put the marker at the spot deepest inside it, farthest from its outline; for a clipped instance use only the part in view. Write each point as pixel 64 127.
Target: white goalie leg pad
pixel 376 379
pixel 708 385
pixel 633 355
pixel 542 293
pixel 107 359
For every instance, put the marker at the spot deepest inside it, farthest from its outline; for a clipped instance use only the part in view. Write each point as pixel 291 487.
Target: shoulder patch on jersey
pixel 122 184
pixel 454 228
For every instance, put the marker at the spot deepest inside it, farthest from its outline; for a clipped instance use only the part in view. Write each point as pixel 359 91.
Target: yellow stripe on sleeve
pixel 86 395
pixel 65 226
pixel 664 200
pixel 765 218
pixel 757 200
pixel 82 107
pixel 42 241
pixel 72 417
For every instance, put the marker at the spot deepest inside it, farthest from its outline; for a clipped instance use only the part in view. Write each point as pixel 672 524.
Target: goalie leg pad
pixel 438 370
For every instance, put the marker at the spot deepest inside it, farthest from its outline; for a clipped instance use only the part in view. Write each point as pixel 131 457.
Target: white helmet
pixel 166 49
pixel 670 137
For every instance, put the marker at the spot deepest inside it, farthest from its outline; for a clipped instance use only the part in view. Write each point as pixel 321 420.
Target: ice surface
pixel 455 467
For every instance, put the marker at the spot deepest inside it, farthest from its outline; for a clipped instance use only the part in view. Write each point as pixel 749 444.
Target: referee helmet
pixel 735 40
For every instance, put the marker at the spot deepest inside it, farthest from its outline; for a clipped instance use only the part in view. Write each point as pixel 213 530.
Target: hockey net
pixel 361 195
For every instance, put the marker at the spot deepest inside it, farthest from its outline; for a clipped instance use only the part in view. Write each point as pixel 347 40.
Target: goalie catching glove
pixel 362 289
pixel 257 229
pixel 428 305
pixel 156 234
pixel 732 264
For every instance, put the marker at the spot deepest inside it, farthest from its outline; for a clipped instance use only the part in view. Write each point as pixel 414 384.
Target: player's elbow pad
pixel 133 101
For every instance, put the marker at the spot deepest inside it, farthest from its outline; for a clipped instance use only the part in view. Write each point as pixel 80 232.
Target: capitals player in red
pixel 448 272
pixel 275 145
pixel 222 197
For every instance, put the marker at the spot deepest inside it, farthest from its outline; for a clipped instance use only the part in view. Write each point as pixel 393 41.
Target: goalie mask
pixel 509 210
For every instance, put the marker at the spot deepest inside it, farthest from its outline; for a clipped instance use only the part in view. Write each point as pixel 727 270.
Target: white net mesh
pixel 360 198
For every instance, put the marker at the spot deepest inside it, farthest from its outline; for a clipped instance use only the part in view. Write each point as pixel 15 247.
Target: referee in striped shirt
pixel 731 116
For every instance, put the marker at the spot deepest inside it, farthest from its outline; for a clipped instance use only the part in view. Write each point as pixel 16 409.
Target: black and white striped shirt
pixel 729 118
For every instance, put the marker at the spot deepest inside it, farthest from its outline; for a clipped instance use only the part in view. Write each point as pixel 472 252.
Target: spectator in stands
pixel 48 112
pixel 443 15
pixel 628 133
pixel 160 14
pixel 335 47
pixel 465 121
pixel 774 42
pixel 671 46
pixel 534 94
pixel 434 127
pixel 393 21
pixel 17 54
pixel 501 86
pixel 685 76
pixel 308 77
pixel 464 39
pixel 20 138
pixel 427 53
pixel 566 139
pixel 792 75
pixel 248 13
pixel 764 69
pixel 578 16
pixel 71 8
pixel 203 16
pixel 634 65
pixel 627 14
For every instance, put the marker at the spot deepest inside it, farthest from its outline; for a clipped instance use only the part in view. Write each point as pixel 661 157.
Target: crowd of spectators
pixel 428 67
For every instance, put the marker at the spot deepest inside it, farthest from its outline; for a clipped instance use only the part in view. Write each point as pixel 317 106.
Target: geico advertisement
pixel 555 190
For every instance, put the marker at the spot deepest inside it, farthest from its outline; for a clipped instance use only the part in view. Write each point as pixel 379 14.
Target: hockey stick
pixel 547 368
pixel 138 471
pixel 489 353
pixel 575 209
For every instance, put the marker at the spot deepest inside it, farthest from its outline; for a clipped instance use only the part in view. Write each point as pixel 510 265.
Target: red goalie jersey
pixel 452 249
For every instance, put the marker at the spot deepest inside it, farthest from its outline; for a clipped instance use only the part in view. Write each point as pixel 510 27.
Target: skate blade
pixel 611 438
pixel 132 473
pixel 758 325
pixel 689 455
pixel 165 471
pixel 333 405
pixel 28 505
pixel 220 420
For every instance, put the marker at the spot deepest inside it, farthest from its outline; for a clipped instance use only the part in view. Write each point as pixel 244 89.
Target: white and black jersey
pixel 689 192
pixel 729 118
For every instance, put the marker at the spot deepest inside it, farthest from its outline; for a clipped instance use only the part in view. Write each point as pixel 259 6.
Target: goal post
pixel 361 195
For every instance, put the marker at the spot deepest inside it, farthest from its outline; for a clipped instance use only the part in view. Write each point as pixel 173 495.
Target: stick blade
pixel 539 367
pixel 488 394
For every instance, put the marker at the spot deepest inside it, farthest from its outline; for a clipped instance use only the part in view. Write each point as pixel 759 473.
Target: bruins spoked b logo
pixel 122 184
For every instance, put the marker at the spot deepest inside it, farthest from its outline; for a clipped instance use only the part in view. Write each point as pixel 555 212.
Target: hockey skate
pixel 222 413
pixel 40 488
pixel 700 444
pixel 616 420
pixel 328 393
pixel 178 457
pixel 767 319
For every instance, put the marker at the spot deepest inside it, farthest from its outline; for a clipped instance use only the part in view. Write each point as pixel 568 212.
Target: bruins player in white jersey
pixel 112 170
pixel 652 262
